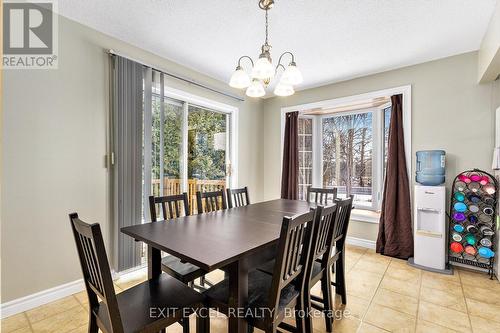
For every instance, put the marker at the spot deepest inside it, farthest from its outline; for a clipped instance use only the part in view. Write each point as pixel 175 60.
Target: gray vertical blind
pixel 127 142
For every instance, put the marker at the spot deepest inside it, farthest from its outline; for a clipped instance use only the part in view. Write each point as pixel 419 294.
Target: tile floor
pixel 384 295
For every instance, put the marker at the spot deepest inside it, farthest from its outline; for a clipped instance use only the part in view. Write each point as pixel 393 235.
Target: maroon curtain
pixel 395 237
pixel 290 172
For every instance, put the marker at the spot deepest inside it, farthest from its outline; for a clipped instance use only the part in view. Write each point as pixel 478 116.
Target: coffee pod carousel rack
pixel 473 220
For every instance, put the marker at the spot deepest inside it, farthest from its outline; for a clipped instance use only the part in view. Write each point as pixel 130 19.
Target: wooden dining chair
pixel 210 201
pixel 173 206
pixel 131 310
pixel 238 197
pixel 337 257
pixel 322 196
pixel 319 264
pixel 269 296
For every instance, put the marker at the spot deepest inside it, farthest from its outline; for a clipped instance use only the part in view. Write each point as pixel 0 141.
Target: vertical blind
pixel 127 142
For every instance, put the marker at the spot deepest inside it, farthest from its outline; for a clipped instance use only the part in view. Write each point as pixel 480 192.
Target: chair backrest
pixel 172 206
pixel 323 232
pixel 341 224
pixel 292 255
pixel 238 197
pixel 95 268
pixel 321 195
pixel 210 201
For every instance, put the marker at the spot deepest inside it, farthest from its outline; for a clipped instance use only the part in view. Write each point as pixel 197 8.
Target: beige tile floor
pixel 384 295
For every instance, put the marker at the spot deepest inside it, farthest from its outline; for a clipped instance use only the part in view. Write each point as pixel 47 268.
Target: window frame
pixel 405 90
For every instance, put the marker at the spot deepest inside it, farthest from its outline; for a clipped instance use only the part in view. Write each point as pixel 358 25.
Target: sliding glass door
pixel 190 147
pixel 208 147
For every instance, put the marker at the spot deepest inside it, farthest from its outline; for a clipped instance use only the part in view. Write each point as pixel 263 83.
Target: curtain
pixel 290 172
pixel 395 236
pixel 126 144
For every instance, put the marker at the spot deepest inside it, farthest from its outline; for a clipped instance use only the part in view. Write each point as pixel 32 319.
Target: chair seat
pixel 135 303
pixel 259 285
pixel 182 271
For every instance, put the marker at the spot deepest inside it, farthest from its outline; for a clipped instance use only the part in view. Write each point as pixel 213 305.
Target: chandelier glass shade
pixel 256 89
pixel 263 70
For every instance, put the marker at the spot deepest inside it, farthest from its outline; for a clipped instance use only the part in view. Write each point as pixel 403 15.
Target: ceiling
pixel 333 40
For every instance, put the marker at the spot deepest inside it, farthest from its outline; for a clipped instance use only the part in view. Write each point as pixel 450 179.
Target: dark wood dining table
pixel 238 239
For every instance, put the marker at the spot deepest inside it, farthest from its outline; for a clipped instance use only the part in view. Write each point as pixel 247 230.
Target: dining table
pixel 237 240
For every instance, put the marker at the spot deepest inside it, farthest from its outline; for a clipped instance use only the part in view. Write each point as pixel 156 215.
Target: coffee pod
pixel 474 198
pixel 459 216
pixel 485 218
pixel 469 249
pixel 470 239
pixel 484 180
pixel 472 229
pixel 474 187
pixel 464 178
pixel 473 219
pixel 486 231
pixel 460 186
pixel 489 188
pixel 488 210
pixel 460 207
pixel 486 242
pixel 489 200
pixel 486 252
pixel 459 196
pixel 475 177
pixel 456 247
pixel 458 227
pixel 474 208
pixel 456 237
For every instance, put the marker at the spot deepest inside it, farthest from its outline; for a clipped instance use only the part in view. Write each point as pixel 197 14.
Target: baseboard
pixel 361 242
pixel 40 298
pixel 53 294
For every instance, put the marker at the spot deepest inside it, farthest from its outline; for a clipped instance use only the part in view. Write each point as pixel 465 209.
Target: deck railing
pixel 173 186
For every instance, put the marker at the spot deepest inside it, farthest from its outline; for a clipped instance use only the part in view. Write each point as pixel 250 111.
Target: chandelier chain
pixel 267 26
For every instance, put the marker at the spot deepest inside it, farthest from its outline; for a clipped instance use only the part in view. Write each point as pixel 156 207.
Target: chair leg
pixel 326 289
pixel 93 328
pixel 340 288
pixel 185 325
pixel 250 328
pixel 303 320
pixel 202 281
pixel 203 323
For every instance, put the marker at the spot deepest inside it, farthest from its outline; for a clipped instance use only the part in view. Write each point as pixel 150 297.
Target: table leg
pixel 238 294
pixel 154 262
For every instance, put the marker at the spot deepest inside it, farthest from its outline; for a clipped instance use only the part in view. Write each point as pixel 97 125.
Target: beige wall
pixel 450 111
pixel 54 135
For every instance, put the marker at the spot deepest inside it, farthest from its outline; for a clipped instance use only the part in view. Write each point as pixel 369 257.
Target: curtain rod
pixel 175 76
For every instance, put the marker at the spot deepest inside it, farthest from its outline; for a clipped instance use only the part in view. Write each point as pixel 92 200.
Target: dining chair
pixel 337 257
pixel 134 309
pixel 238 197
pixel 321 196
pixel 210 201
pixel 173 206
pixel 270 296
pixel 318 267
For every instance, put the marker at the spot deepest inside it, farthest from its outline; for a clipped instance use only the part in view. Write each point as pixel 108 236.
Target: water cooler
pixel 429 216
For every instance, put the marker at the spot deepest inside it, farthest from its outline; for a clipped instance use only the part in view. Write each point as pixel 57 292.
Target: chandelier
pixel 263 70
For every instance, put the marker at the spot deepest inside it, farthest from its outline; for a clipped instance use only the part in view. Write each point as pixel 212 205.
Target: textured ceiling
pixel 333 40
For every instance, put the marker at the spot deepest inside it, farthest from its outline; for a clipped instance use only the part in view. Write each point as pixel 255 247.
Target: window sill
pixel 364 215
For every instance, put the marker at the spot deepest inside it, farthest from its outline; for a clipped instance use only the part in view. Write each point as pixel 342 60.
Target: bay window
pixel 345 150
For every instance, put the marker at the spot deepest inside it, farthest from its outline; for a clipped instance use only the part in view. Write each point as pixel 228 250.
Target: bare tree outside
pixel 347 155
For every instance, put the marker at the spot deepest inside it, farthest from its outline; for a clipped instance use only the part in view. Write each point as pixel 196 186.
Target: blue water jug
pixel 430 167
